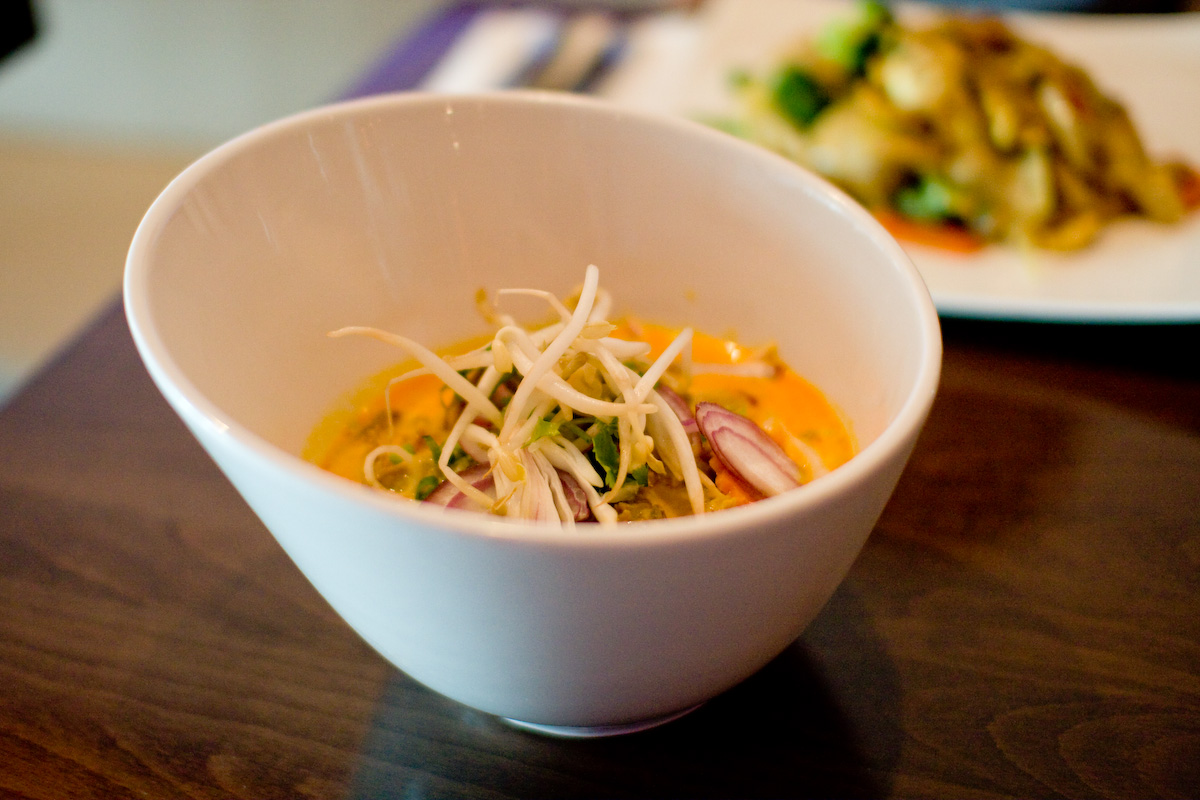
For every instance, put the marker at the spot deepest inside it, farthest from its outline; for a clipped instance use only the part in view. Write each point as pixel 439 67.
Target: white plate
pixel 1137 272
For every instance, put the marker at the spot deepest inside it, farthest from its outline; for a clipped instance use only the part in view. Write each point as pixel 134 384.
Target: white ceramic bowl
pixel 392 212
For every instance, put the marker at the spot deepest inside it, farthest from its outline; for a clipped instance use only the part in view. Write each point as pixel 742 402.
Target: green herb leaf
pixel 426 486
pixel 460 461
pixel 639 475
pixel 606 452
pixel 575 429
pixel 543 427
pixel 434 447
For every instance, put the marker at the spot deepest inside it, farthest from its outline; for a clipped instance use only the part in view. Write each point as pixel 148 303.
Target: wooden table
pixel 1024 622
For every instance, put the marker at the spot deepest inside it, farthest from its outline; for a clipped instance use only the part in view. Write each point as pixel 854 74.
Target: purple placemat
pixel 406 66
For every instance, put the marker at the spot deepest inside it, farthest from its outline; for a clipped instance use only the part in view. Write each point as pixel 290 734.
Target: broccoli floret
pixel 931 199
pixel 798 96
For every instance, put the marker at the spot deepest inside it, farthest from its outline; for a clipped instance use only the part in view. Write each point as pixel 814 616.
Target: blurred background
pixel 102 103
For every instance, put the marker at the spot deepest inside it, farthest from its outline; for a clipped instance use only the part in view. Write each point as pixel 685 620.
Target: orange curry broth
pixel 784 405
pixel 781 405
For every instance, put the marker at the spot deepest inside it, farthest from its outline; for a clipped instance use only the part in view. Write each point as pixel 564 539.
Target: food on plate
pixel 960 133
pixel 582 419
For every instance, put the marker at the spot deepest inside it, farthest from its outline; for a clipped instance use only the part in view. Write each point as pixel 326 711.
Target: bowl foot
pixel 597 731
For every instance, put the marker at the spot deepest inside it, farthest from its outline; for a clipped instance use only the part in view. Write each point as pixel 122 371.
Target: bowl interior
pixel 394 211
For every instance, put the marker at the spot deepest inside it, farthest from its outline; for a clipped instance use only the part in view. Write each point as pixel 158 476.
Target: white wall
pixel 112 100
pixel 194 72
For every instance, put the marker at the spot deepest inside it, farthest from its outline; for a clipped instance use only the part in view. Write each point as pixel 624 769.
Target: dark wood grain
pixel 1024 622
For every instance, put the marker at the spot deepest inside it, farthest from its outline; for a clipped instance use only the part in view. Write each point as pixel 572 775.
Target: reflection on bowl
pixel 392 212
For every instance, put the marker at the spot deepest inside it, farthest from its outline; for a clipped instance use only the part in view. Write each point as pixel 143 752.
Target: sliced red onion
pixel 747 450
pixel 480 476
pixel 680 407
pixel 449 495
pixel 537 499
pixel 576 498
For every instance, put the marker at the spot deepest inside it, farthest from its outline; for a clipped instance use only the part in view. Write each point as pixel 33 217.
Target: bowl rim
pixel 197 410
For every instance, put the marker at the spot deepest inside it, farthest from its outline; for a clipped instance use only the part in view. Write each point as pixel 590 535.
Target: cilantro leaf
pixel 639 475
pixel 543 427
pixel 605 451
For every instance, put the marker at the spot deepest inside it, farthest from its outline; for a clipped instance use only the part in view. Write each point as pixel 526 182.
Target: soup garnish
pixel 583 419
